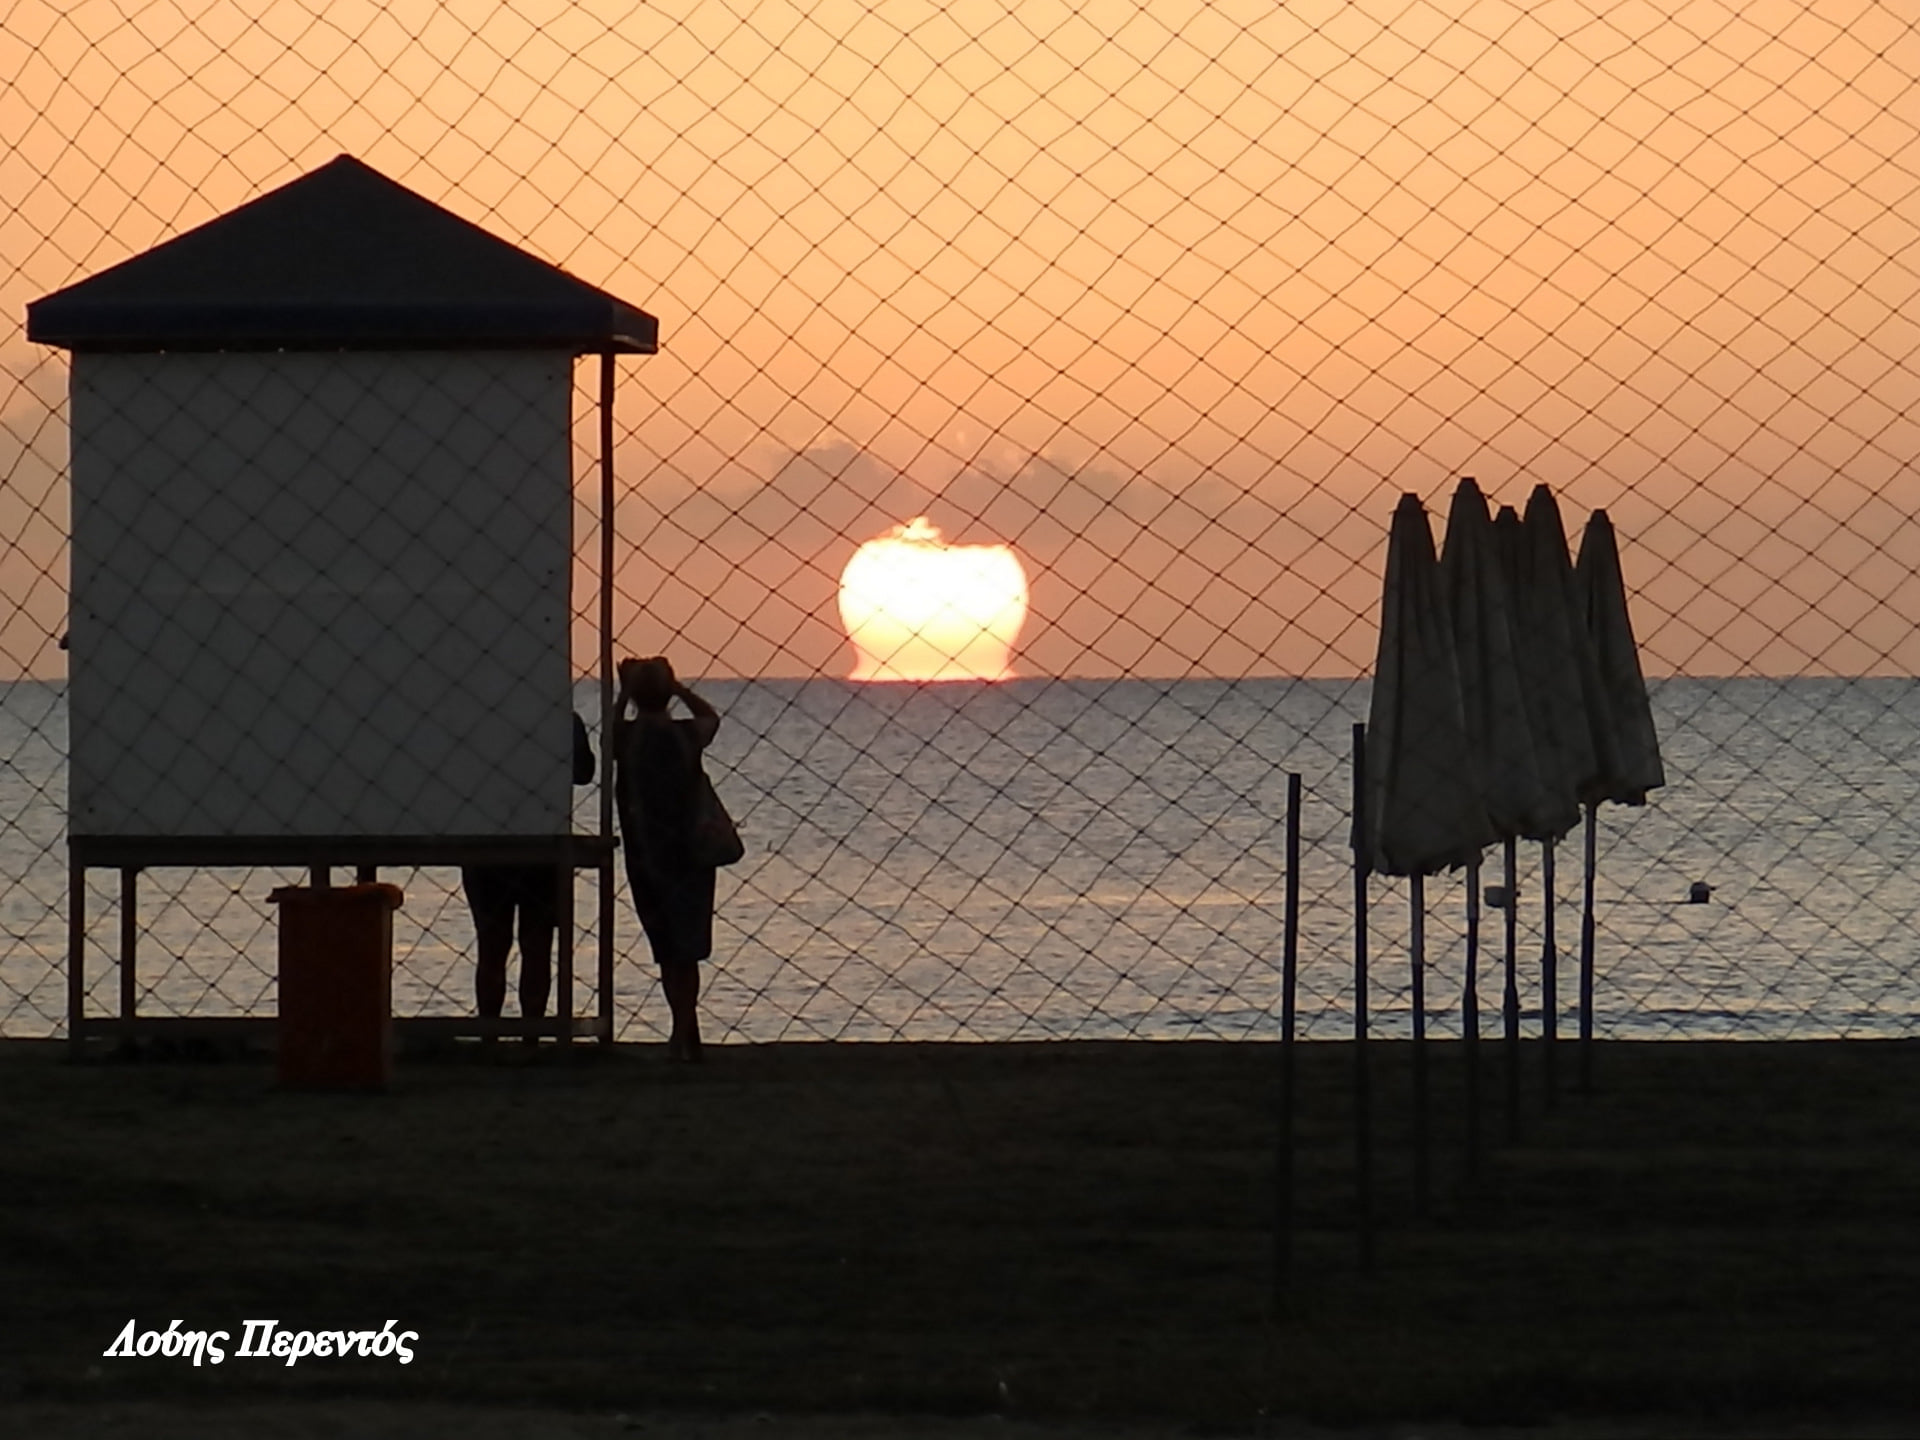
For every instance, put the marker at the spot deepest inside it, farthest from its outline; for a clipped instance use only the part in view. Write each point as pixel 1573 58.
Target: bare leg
pixel 536 963
pixel 493 939
pixel 681 982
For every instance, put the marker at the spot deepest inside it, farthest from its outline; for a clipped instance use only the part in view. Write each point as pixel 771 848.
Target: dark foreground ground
pixel 1725 1234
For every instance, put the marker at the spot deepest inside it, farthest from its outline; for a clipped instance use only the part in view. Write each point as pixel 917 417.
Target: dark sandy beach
pixel 1059 1235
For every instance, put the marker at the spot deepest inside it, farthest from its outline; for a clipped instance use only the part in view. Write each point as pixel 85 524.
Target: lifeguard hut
pixel 323 555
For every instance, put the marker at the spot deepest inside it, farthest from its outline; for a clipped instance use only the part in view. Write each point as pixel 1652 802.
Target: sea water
pixel 1106 858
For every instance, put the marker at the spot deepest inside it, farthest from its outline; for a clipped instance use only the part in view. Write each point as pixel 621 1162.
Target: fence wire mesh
pixel 1170 300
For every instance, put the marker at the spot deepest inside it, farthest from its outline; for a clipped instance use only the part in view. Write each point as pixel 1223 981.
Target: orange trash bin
pixel 336 986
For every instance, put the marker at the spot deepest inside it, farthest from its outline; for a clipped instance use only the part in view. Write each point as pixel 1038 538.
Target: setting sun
pixel 917 608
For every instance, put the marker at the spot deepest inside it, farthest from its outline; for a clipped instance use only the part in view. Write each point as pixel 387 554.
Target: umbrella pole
pixel 1289 986
pixel 1549 971
pixel 1586 958
pixel 1511 1007
pixel 1362 1085
pixel 1418 892
pixel 1470 1015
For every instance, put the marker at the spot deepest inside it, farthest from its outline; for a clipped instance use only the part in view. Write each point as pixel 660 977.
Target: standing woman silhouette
pixel 656 787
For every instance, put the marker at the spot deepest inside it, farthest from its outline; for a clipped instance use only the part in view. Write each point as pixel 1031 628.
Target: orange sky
pixel 1176 298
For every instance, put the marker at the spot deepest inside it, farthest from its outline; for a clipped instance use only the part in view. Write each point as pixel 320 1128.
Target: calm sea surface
pixel 1049 858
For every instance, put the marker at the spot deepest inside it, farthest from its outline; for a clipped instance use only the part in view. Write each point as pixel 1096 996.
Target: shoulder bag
pixel 715 840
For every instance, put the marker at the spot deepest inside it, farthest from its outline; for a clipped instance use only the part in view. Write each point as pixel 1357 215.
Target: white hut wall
pixel 321 594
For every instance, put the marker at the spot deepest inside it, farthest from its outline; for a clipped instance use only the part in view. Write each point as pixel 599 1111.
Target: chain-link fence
pixel 1090 345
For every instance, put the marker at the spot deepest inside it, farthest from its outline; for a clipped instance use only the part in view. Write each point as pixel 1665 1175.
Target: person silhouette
pixel 656 786
pixel 496 894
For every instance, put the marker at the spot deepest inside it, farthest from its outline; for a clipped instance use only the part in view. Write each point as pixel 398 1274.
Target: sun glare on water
pixel 917 608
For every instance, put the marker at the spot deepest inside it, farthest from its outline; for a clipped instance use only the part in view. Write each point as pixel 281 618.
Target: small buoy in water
pixel 1496 896
pixel 1699 893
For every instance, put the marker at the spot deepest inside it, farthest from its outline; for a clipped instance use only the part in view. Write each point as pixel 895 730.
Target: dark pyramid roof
pixel 340 259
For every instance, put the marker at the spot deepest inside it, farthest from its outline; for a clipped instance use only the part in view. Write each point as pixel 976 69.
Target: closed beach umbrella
pixel 1478 597
pixel 1423 806
pixel 1479 602
pixel 1560 682
pixel 1559 679
pixel 1534 815
pixel 1424 811
pixel 1627 747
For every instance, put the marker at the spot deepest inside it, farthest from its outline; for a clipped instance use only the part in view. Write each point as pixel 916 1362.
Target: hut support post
pixel 603 919
pixel 129 946
pixel 563 951
pixel 1362 1085
pixel 607 701
pixel 76 956
pixel 1289 988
